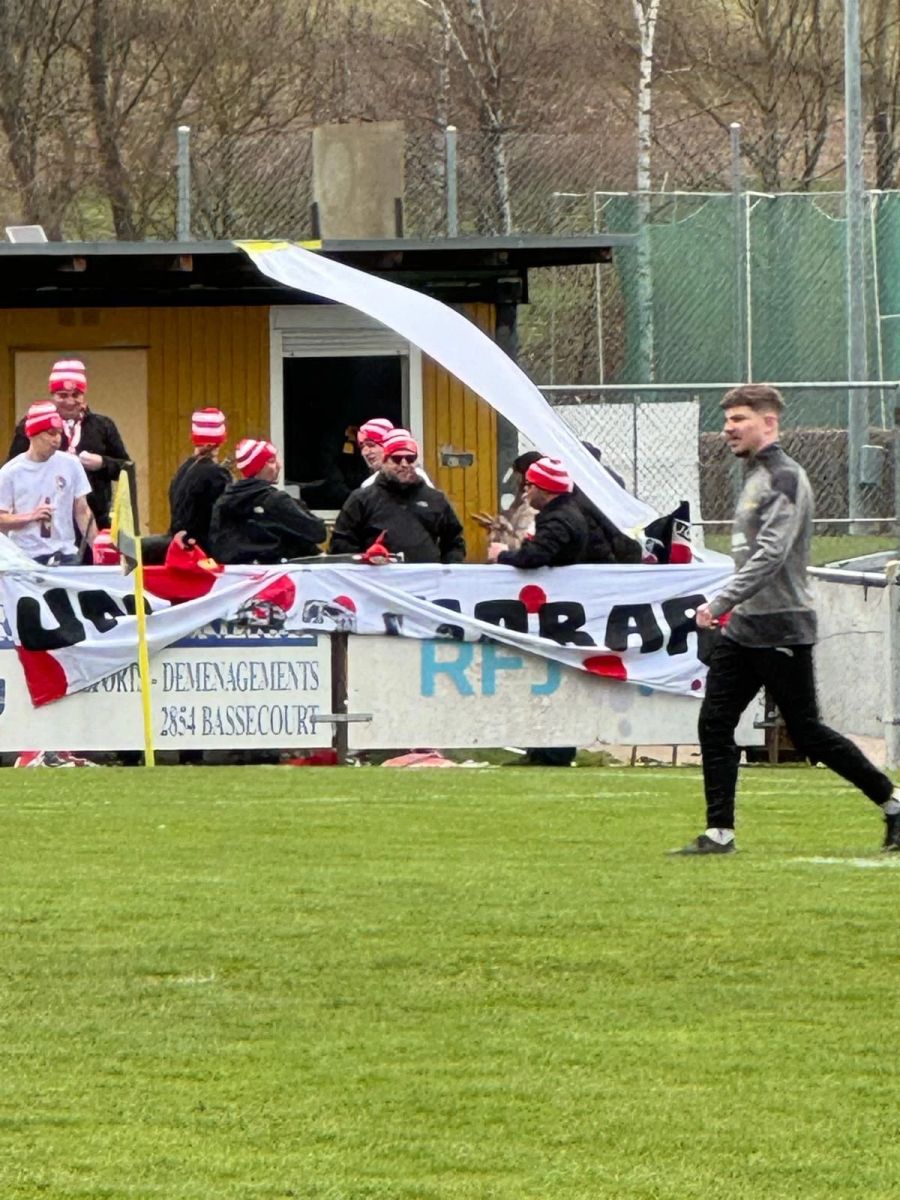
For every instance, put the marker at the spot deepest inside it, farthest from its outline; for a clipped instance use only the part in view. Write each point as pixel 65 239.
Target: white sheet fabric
pixel 454 342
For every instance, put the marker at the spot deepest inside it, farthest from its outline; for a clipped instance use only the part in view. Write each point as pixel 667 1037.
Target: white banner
pixel 73 627
pixel 223 692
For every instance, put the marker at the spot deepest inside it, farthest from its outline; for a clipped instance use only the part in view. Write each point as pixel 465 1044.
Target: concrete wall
pixel 852 656
pixel 357 176
pixel 467 694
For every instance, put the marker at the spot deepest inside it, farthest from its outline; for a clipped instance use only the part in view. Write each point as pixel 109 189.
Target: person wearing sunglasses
pixel 92 438
pixel 561 533
pixel 400 511
pixel 370 438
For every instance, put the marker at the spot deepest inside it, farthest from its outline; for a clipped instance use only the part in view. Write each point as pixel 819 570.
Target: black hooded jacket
pixel 419 522
pixel 255 522
pixel 560 537
pixel 606 542
pixel 195 487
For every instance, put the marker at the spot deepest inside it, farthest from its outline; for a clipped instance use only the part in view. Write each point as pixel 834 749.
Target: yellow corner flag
pixel 125 535
pixel 122 532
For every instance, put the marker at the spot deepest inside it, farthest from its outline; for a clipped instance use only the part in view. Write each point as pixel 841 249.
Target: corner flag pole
pixel 126 535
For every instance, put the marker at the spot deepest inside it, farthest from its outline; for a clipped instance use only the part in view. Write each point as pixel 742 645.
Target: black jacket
pixel 560 537
pixel 100 436
pixel 606 542
pixel 419 520
pixel 195 487
pixel 255 522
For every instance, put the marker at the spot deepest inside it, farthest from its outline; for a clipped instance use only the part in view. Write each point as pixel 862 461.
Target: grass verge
pixel 439 985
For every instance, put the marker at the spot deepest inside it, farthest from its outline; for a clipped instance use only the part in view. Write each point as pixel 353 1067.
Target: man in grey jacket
pixel 769 626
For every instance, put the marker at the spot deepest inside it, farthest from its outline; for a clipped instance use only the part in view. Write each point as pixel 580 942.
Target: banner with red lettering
pixel 74 626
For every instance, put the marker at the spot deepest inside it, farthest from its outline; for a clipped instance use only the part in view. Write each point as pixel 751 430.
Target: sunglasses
pixel 402 458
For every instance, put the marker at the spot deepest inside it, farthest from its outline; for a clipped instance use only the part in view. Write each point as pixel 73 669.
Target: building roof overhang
pixel 64 274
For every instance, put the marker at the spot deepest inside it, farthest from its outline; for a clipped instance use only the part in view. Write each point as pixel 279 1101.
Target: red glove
pixel 377 553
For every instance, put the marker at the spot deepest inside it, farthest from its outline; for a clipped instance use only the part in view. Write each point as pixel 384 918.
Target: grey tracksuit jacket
pixel 768 597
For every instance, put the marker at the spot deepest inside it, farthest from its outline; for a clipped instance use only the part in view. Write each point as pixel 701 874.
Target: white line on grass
pixel 864 863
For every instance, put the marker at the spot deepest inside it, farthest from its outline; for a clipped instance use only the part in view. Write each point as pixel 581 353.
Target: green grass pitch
pixel 443 985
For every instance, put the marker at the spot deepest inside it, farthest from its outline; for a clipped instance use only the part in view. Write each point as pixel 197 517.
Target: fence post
pixel 183 226
pixel 598 298
pixel 892 662
pixel 742 371
pixel 895 447
pixel 452 183
pixel 339 682
pixel 857 349
pixel 635 440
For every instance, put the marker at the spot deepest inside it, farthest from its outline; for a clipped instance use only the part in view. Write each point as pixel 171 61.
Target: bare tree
pixel 881 50
pixel 253 106
pixel 495 71
pixel 42 107
pixel 142 61
pixel 774 65
pixel 476 33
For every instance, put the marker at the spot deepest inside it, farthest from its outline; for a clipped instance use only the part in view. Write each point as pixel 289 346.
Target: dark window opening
pixel 325 402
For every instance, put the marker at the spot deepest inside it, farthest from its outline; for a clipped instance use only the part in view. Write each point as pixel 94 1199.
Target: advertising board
pixel 209 693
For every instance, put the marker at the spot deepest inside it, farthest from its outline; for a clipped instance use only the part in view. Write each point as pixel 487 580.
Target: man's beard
pixel 401 485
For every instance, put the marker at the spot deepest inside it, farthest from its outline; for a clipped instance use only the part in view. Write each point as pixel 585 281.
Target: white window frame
pixel 336 331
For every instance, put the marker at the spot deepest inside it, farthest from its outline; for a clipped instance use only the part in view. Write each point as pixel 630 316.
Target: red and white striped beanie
pixel 251 455
pixel 40 417
pixel 68 374
pixel 549 474
pixel 375 430
pixel 400 441
pixel 208 427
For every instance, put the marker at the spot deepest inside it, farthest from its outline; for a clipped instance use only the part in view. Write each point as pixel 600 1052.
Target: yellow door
pixel 458 423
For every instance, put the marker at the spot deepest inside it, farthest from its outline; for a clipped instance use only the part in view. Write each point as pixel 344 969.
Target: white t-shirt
pixel 24 484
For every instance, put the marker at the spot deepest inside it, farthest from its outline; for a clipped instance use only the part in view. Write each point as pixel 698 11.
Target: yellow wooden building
pixel 167 328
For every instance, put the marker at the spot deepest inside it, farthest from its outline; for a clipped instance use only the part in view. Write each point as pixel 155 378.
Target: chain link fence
pixel 260 184
pixel 667 445
pixel 717 286
pixel 252 187
pixel 734 285
pixel 741 287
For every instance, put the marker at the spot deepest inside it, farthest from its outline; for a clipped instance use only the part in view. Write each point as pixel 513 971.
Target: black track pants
pixel 736 674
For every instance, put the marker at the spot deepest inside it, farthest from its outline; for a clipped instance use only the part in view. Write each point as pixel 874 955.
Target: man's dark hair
pixel 761 397
pixel 524 461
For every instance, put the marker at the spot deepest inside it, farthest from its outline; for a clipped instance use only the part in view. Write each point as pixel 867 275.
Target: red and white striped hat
pixel 68 374
pixel 375 430
pixel 251 455
pixel 208 427
pixel 400 441
pixel 550 475
pixel 40 417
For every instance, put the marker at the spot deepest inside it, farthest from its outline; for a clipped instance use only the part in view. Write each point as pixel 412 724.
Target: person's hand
pixel 377 554
pixel 43 512
pixel 485 520
pixel 704 618
pixel 90 461
pixel 494 550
